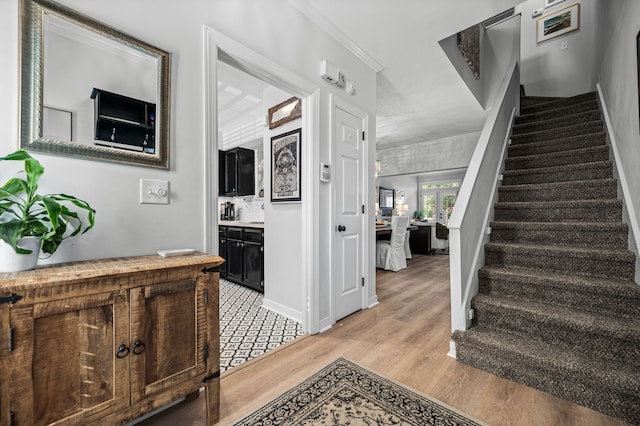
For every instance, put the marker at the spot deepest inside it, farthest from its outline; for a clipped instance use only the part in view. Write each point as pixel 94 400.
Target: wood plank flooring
pixel 405 338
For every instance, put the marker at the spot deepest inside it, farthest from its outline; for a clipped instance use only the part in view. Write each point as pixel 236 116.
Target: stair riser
pixel 555 123
pixel 562 297
pixel 596 191
pixel 557 332
pixel 560 103
pixel 560 133
pixel 548 379
pixel 607 214
pixel 569 297
pixel 537 148
pixel 558 176
pixel 554 160
pixel 557 237
pixel 554 113
pixel 527 102
pixel 553 262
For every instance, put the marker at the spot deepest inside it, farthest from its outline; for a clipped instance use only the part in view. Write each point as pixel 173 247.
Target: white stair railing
pixel 469 222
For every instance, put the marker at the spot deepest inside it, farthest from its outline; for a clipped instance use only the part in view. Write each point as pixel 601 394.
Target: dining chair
pixel 390 255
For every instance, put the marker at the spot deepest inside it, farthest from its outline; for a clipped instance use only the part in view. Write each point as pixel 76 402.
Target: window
pixel 437 200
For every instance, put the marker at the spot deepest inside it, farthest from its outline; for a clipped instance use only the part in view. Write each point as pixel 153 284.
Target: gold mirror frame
pixel 32 14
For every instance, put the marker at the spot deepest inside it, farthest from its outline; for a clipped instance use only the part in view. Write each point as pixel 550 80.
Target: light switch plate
pixel 154 191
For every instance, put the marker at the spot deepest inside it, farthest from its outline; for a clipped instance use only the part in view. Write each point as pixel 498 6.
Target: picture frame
pixel 285 112
pixel 286 170
pixel 549 3
pixel 557 23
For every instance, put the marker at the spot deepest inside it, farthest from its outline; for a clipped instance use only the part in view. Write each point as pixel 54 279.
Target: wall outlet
pixel 154 191
pixel 564 45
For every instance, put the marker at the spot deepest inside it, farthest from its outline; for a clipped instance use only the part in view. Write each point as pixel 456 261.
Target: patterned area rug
pixel 246 328
pixel 344 393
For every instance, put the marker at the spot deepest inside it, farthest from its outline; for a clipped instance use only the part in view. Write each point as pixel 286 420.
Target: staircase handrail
pixel 473 210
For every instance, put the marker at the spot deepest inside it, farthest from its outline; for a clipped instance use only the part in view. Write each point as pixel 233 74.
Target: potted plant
pixel 30 222
pixel 419 215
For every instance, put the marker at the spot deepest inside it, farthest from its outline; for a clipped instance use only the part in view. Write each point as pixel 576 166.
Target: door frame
pixel 367 196
pixel 216 45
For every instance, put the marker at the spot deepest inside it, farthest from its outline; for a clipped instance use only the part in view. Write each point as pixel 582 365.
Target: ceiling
pixel 420 96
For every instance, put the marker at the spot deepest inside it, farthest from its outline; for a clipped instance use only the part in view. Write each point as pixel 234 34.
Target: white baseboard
pixel 373 301
pixel 452 349
pixel 282 310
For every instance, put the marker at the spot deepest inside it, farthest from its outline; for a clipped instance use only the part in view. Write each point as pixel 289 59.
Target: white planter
pixel 10 261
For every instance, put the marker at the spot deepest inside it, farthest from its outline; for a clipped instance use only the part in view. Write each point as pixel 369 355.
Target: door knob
pixel 342 228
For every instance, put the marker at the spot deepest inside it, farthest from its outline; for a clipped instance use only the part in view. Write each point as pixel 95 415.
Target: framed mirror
pixel 386 198
pixel 113 89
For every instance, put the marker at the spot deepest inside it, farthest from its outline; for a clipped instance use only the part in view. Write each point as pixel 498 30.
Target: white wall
pixel 437 155
pixel 546 70
pixel 618 79
pixel 274 29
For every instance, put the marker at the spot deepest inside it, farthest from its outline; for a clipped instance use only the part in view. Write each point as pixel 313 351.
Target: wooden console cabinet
pixel 109 340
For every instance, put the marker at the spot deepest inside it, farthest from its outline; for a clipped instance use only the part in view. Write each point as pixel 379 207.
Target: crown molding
pixel 340 36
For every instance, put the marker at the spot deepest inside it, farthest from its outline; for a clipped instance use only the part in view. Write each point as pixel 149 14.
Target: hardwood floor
pixel 405 338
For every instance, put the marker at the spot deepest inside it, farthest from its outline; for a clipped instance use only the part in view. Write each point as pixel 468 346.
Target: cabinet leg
pixel 213 401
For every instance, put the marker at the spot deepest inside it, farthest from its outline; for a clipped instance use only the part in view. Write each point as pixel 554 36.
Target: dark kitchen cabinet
pixel 239 172
pixel 244 256
pixel 124 122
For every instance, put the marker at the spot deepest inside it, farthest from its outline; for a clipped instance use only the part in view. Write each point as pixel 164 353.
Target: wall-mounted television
pixel 386 198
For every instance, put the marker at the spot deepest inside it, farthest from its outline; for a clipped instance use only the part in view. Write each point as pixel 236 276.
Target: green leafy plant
pixel 419 214
pixel 51 218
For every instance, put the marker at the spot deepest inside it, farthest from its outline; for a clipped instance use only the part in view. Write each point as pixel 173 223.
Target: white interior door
pixel 348 183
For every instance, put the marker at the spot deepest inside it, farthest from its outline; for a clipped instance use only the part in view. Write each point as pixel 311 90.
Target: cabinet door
pixel 4 363
pixel 246 172
pixel 63 366
pixel 230 172
pixel 252 266
pixel 168 334
pixel 222 250
pixel 234 260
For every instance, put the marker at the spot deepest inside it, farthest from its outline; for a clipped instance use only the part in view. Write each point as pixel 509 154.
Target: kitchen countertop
pixel 241 224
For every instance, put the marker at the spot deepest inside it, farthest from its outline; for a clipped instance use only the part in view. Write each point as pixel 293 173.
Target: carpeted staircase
pixel 558 309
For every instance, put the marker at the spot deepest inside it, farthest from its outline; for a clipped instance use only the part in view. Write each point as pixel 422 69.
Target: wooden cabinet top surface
pixel 49 275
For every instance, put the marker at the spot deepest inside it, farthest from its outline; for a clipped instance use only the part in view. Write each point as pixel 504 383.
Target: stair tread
pixel 567 226
pixel 566 167
pixel 587 105
pixel 562 184
pixel 566 153
pixel 558 204
pixel 598 137
pixel 623 328
pixel 608 373
pixel 598 284
pixel 556 102
pixel 564 121
pixel 581 252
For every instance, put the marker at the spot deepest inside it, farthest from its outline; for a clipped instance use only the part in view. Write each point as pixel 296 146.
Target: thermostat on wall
pixel 325 172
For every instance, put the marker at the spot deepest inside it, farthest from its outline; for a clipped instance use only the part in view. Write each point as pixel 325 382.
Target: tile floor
pixel 247 329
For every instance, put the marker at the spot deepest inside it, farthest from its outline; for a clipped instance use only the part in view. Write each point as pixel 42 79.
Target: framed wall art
pixel 285 112
pixel 286 176
pixel 557 23
pixel 549 3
